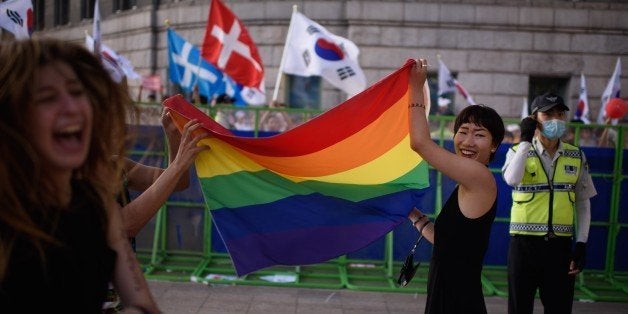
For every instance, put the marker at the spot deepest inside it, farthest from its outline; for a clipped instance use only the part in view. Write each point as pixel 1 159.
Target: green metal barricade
pixel 210 267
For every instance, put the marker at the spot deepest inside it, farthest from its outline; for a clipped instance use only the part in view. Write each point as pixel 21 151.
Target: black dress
pixel 76 272
pixel 454 284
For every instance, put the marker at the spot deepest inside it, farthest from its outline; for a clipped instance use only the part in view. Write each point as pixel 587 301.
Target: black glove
pixel 528 126
pixel 579 255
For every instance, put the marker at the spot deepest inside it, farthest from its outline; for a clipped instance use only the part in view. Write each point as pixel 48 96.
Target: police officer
pixel 551 183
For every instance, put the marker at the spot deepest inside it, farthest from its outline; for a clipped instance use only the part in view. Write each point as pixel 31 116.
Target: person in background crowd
pixel 551 184
pixel 61 234
pixel 275 121
pixel 461 231
pixel 586 135
pixel 224 116
pixel 608 137
pixel 514 132
pixel 243 121
pixel 587 138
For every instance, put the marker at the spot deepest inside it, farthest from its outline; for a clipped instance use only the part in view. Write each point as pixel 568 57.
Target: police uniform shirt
pixel 584 185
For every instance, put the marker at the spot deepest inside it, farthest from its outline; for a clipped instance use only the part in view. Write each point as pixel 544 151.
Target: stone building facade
pixel 500 50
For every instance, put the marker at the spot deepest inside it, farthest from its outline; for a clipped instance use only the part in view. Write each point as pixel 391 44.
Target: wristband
pixel 423 226
pixel 417 220
pixel 416 104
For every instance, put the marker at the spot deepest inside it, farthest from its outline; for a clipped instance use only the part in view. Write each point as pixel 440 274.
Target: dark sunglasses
pixel 409 269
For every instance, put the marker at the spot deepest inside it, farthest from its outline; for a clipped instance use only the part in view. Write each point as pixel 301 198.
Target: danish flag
pixel 228 46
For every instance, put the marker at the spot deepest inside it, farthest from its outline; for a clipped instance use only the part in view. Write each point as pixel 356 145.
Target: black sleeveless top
pixel 76 272
pixel 454 284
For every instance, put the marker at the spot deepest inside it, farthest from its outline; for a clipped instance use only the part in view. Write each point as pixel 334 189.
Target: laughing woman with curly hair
pixel 61 236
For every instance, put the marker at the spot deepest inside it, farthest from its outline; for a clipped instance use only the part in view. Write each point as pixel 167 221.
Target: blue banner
pixel 187 68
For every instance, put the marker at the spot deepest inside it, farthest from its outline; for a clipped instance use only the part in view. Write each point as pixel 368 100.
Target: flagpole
pixel 200 58
pixel 438 59
pixel 198 72
pixel 169 87
pixel 198 67
pixel 96 32
pixel 283 56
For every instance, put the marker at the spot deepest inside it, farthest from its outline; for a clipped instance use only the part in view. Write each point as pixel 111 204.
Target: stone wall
pixel 493 45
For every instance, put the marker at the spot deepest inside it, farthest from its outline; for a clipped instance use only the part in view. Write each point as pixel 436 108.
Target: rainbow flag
pixel 328 187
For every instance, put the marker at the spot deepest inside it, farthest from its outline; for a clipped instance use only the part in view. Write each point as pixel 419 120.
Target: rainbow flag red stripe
pixel 326 188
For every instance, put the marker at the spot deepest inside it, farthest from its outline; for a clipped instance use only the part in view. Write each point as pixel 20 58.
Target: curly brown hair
pixel 23 192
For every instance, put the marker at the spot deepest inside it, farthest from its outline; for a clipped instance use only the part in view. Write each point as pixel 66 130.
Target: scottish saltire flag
pixel 448 84
pixel 328 187
pixel 582 108
pixel 612 90
pixel 187 68
pixel 229 47
pixel 312 50
pixel 16 16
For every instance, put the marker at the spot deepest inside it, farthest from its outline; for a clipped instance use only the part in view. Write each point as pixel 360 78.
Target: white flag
pixel 117 65
pixel 612 90
pixel 312 50
pixel 16 16
pixel 448 84
pixel 446 81
pixel 525 109
pixel 582 108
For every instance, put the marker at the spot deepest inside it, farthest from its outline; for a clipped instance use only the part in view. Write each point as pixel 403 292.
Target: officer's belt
pixel 542 228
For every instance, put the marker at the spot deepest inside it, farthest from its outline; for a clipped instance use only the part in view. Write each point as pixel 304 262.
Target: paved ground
pixel 180 298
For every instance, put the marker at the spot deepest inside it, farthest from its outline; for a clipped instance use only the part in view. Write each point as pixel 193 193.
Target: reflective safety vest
pixel 542 207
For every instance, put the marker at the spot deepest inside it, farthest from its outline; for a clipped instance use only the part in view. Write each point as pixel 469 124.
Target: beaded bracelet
pixel 416 104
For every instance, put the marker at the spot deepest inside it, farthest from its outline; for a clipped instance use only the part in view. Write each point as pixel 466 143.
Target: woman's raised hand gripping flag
pixel 326 188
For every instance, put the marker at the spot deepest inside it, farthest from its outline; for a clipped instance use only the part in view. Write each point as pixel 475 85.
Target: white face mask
pixel 553 129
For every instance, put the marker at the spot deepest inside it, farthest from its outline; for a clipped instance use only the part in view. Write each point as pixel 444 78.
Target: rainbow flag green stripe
pixel 265 187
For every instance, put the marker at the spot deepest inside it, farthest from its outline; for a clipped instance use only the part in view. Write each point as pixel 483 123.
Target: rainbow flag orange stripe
pixel 326 188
